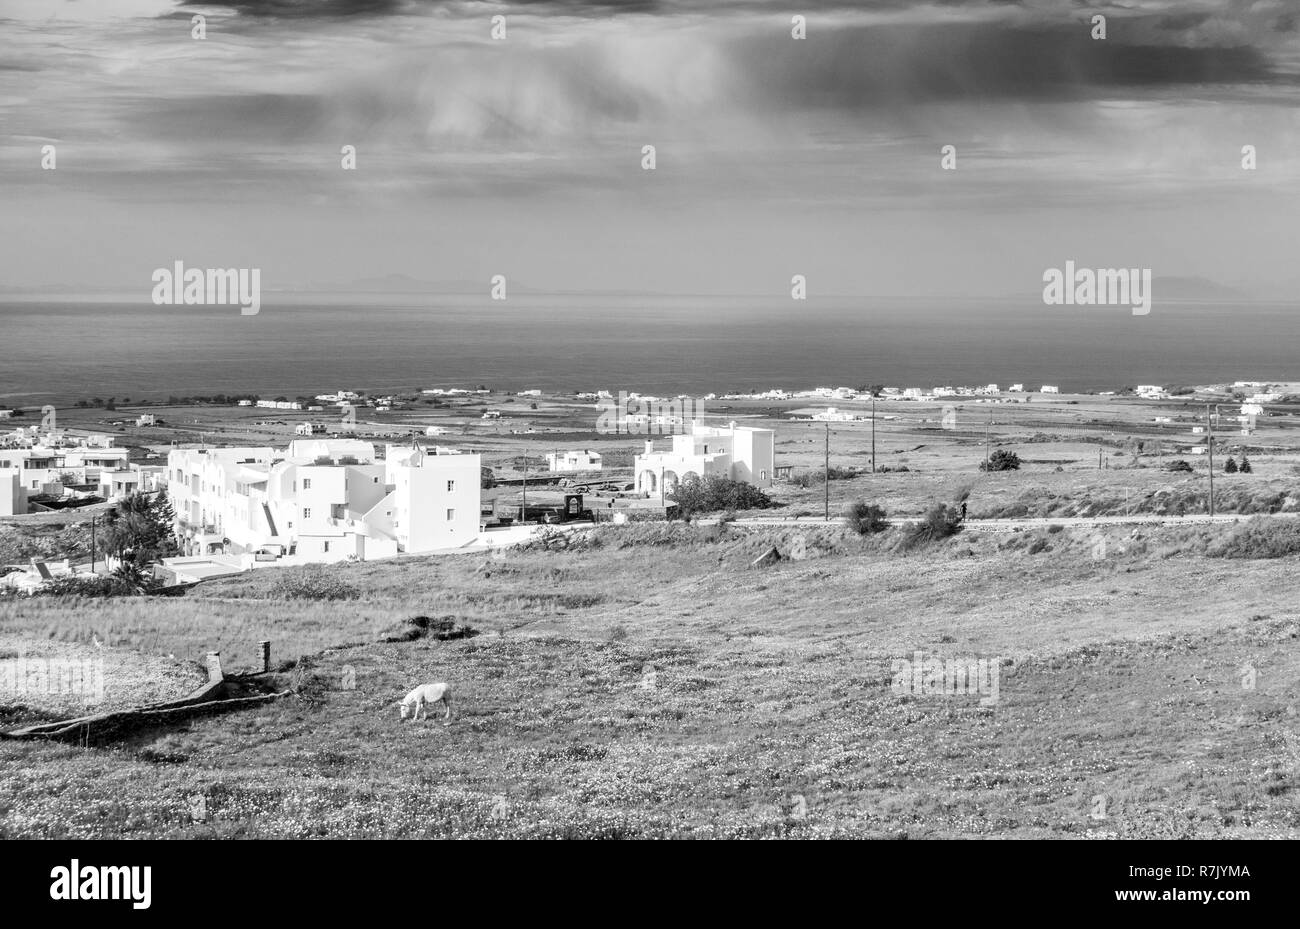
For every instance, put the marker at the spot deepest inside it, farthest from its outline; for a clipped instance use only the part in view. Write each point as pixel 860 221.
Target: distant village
pixel 334 497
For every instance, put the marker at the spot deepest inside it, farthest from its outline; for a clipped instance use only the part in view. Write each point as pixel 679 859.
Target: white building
pixel 146 419
pixel 323 500
pixel 1049 389
pixel 834 415
pixel 741 453
pixel 46 470
pixel 122 482
pixel 585 460
pixel 1016 389
pixel 309 429
pixel 13 495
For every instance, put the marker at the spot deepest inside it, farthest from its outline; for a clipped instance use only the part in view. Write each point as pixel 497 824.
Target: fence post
pixel 213 661
pixel 265 648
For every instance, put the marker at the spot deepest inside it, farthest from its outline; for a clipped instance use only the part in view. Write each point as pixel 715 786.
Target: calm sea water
pixel 63 351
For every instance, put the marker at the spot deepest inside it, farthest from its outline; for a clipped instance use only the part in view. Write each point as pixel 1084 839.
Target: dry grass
pixel 646 684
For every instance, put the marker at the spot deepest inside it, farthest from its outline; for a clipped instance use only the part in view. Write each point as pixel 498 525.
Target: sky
pixel 775 156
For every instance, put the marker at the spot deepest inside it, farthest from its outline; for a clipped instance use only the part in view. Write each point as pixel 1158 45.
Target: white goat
pixel 422 696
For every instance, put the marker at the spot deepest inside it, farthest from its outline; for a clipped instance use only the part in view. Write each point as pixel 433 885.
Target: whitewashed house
pixel 584 460
pixel 323 500
pixel 741 453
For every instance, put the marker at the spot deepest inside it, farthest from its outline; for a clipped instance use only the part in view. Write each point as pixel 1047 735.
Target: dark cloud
pixel 881 65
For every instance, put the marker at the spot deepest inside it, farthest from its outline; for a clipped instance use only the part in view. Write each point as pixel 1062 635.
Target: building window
pixel 762 475
pixel 375 480
pixel 306 483
pixel 451 485
pixel 324 546
pixel 451 514
pixel 306 512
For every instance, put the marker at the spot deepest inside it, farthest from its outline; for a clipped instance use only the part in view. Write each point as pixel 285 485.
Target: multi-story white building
pixel 1050 389
pixel 585 460
pixel 45 470
pixel 323 500
pixel 122 482
pixel 741 453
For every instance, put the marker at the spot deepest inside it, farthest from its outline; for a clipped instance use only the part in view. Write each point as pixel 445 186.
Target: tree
pixel 1230 467
pixel 139 530
pixel 1002 460
pixel 1245 464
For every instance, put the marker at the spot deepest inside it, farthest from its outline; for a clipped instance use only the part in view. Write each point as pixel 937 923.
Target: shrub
pixel 939 522
pixel 1230 467
pixel 1179 465
pixel 715 493
pixel 835 473
pixel 312 582
pixel 1260 537
pixel 1245 464
pixel 866 518
pixel 1002 460
pixel 88 586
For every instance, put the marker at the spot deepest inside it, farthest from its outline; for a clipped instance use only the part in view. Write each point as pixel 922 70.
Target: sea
pixel 59 350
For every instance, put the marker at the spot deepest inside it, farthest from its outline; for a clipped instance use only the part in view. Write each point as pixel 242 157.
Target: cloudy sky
pixel 775 156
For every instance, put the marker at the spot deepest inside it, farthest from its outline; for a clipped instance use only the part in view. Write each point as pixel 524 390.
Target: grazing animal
pixel 94 637
pixel 422 696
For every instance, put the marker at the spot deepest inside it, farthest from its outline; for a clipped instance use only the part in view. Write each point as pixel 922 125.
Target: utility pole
pixel 523 507
pixel 92 544
pixel 826 513
pixel 1209 442
pixel 987 426
pixel 873 435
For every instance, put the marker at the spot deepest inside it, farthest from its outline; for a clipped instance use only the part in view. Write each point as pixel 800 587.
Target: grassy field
pixel 648 682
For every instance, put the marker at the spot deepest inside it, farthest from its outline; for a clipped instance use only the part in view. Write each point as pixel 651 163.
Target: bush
pixel 1260 537
pixel 714 493
pixel 1002 460
pixel 312 582
pixel 866 518
pixel 88 586
pixel 1179 465
pixel 1245 464
pixel 940 521
pixel 1230 467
